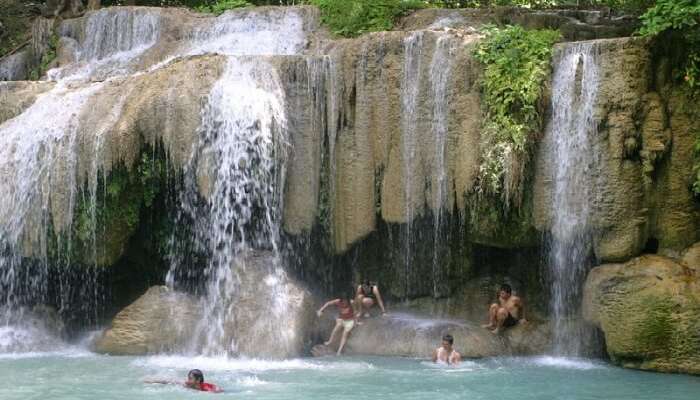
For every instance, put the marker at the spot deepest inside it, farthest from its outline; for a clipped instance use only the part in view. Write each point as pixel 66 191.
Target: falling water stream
pixel 571 140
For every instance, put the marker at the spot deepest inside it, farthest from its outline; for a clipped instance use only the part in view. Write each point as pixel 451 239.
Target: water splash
pixel 571 140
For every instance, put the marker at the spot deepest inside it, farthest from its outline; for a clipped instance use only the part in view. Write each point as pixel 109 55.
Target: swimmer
pixel 446 353
pixel 195 381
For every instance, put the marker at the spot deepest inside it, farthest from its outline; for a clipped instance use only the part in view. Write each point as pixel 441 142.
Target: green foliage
pixel 46 59
pixel 220 6
pixel 108 217
pixel 15 24
pixel 516 64
pixel 351 18
pixel 678 22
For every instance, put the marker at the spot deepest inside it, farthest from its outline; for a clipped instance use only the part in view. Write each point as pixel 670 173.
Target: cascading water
pixel 440 71
pixel 37 156
pixel 242 144
pixel 410 88
pixel 113 41
pixel 571 140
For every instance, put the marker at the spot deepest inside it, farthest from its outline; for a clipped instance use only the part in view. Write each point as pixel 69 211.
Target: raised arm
pixel 328 304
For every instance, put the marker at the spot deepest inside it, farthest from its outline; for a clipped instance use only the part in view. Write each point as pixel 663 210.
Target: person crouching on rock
pixel 195 380
pixel 508 312
pixel 366 296
pixel 345 321
pixel 446 353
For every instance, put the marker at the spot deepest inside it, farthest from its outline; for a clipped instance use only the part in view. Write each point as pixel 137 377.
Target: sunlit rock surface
pixel 649 311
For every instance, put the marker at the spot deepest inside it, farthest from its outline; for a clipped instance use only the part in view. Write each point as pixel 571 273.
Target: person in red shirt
pixel 195 380
pixel 345 321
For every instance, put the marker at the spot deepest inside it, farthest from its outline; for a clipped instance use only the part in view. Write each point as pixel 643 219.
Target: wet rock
pixel 649 312
pixel 267 315
pixel 36 329
pixel 410 335
pixel 161 320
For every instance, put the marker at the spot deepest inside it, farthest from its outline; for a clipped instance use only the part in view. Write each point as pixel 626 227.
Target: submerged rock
pixel 649 311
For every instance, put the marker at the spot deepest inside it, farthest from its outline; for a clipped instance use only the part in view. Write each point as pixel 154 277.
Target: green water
pixel 79 374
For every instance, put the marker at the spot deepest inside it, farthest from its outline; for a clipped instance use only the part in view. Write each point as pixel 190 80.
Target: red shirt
pixel 209 387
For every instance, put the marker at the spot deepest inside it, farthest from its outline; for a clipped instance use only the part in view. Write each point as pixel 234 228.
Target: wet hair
pixel 449 339
pixel 506 288
pixel 197 375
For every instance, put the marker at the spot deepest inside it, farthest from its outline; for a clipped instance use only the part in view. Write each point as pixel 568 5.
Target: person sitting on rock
pixel 446 353
pixel 366 296
pixel 508 312
pixel 195 380
pixel 345 321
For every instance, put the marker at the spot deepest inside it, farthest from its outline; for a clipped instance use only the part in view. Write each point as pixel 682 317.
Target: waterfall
pixel 241 147
pixel 251 33
pixel 109 43
pixel 38 164
pixel 440 71
pixel 410 89
pixel 572 149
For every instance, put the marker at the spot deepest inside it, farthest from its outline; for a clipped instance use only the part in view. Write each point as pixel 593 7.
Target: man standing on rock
pixel 507 312
pixel 446 353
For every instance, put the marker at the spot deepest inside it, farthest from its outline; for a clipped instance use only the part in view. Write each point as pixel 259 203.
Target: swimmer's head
pixel 195 376
pixel 447 341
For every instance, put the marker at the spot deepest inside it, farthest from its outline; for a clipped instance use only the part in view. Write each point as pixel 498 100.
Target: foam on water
pixel 567 362
pixel 247 364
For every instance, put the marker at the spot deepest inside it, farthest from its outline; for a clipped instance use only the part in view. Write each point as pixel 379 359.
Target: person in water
pixel 195 380
pixel 508 312
pixel 345 321
pixel 366 296
pixel 446 353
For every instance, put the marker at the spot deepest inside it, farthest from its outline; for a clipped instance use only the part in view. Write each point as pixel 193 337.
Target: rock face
pixel 408 335
pixel 267 315
pixel 573 24
pixel 159 321
pixel 643 173
pixel 649 311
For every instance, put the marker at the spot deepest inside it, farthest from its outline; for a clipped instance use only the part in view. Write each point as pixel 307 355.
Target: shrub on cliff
pixel 353 17
pixel 516 64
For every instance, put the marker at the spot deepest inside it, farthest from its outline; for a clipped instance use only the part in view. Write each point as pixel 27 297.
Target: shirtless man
pixel 445 353
pixel 507 312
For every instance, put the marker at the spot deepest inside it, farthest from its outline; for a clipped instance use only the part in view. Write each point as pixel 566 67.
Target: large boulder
pixel 410 335
pixel 264 314
pixel 160 320
pixel 649 311
pixel 269 315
